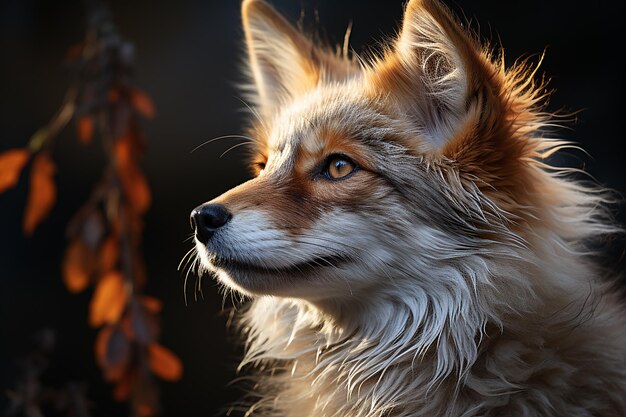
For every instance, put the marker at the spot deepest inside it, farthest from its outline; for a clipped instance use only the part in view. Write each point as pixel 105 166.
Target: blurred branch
pixel 106 234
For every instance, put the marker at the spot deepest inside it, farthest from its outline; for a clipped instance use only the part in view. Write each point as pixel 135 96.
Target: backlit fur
pixel 449 275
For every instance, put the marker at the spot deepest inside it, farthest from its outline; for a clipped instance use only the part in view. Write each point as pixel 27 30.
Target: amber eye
pixel 339 167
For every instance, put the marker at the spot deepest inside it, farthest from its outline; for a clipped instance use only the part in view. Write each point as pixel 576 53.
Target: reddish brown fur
pixel 490 149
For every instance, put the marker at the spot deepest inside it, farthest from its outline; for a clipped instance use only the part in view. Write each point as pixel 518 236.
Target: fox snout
pixel 207 218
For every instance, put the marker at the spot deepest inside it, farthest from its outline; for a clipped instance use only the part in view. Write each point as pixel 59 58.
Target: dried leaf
pixel 11 164
pixel 127 327
pixel 109 253
pixel 121 392
pixel 145 410
pixel 143 326
pixel 109 300
pixel 102 341
pixel 136 188
pixel 152 304
pixel 142 103
pixel 42 193
pixel 164 363
pixel 130 145
pixel 78 265
pixel 123 151
pixel 113 95
pixel 145 397
pixel 77 222
pixel 113 353
pixel 93 229
pixel 84 126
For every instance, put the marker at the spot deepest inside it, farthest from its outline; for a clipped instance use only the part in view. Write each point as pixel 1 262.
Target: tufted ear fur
pixel 436 71
pixel 283 63
pixel 466 107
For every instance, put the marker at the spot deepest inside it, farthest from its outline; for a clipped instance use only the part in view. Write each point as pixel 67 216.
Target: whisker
pixel 222 137
pixel 187 278
pixel 193 264
pixel 189 252
pixel 233 147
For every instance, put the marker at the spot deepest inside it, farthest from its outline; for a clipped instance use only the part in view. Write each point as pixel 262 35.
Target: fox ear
pixel 434 70
pixel 283 63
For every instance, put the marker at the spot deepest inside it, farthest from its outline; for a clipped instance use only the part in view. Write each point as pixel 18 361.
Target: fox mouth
pixel 301 268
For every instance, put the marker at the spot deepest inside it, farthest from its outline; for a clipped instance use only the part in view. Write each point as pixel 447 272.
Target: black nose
pixel 207 218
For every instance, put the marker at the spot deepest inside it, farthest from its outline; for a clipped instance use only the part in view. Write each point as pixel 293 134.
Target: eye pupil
pixel 339 168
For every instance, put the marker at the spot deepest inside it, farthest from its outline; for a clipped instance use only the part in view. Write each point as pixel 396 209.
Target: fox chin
pixel 405 246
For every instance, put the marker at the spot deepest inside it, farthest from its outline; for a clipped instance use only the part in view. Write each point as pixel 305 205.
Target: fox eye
pixel 339 167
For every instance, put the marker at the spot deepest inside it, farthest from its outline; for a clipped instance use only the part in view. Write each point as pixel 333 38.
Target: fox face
pixel 371 171
pixel 315 222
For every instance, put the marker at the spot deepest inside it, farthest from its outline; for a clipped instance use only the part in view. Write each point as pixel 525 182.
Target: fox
pixel 404 246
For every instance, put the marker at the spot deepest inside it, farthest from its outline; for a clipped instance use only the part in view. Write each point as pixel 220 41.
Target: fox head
pixel 405 167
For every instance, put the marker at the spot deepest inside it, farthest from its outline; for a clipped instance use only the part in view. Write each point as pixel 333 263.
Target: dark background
pixel 188 57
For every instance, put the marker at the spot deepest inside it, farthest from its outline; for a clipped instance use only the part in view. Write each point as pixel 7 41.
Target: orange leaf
pixel 145 410
pixel 123 151
pixel 144 400
pixel 136 188
pixel 142 103
pixel 42 193
pixel 11 164
pixel 134 183
pixel 109 254
pixel 93 229
pixel 127 327
pixel 152 304
pixel 113 94
pixel 113 353
pixel 109 300
pixel 164 363
pixel 121 392
pixel 102 341
pixel 77 266
pixel 144 326
pixel 85 125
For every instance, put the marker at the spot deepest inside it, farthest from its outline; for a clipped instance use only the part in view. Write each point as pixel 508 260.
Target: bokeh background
pixel 188 58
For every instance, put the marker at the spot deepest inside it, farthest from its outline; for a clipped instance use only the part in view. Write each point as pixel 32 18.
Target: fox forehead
pixel 299 124
pixel 338 118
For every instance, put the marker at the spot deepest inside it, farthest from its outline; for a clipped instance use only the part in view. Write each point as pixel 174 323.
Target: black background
pixel 188 57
